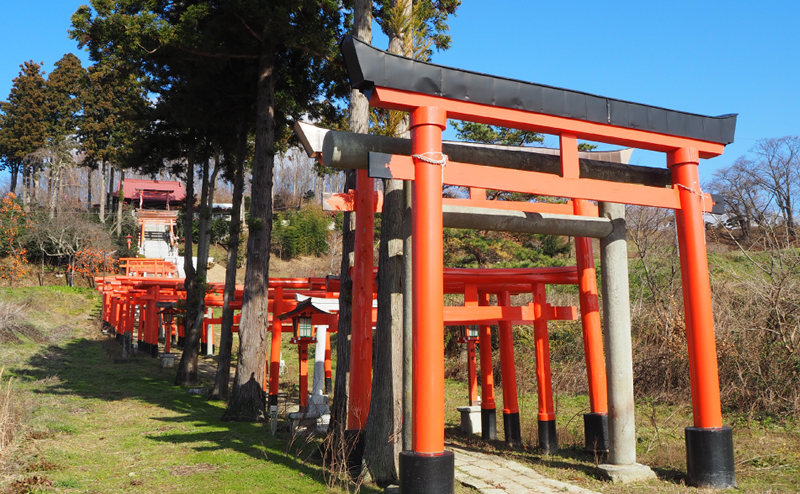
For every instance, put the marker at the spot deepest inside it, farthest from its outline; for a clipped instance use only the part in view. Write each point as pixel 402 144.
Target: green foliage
pixel 23 122
pixel 301 233
pixel 476 249
pixel 490 134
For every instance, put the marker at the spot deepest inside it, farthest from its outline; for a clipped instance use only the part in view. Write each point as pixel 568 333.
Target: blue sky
pixel 704 56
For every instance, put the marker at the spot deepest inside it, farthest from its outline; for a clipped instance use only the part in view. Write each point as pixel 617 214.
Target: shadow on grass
pixel 86 368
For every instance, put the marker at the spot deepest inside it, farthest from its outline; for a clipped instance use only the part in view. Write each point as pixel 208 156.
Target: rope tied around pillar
pixel 702 198
pixel 424 157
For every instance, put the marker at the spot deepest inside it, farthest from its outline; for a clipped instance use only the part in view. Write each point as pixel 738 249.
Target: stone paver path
pixel 494 475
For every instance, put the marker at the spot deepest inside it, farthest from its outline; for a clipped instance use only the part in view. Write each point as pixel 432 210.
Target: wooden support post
pixel 488 407
pixel 275 353
pixel 595 423
pixel 548 441
pixel 428 468
pixel 709 446
pixel 511 424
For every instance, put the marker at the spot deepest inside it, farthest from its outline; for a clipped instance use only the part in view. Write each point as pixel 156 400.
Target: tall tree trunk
pixel 120 202
pixel 89 189
pixel 103 194
pixel 385 420
pixel 336 447
pixel 187 368
pixel 110 192
pixel 55 178
pixel 385 424
pixel 14 176
pixel 247 400
pixel 222 379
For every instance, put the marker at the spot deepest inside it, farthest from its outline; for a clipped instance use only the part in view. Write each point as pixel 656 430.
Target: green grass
pixel 105 427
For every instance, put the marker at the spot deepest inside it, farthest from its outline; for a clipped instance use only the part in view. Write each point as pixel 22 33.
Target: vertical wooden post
pixel 361 332
pixel 709 446
pixel 302 350
pixel 511 424
pixel 275 351
pixel 548 440
pixel 428 468
pixel 488 407
pixel 595 423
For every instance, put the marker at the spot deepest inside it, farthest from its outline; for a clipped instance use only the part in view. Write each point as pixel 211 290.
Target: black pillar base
pixel 354 441
pixel 595 428
pixel 154 350
pixel 489 424
pixel 512 429
pixel 328 386
pixel 213 347
pixel 143 346
pixel 118 337
pixel 709 457
pixel 203 348
pixel 548 441
pixel 424 474
pixel 180 342
pixel 272 400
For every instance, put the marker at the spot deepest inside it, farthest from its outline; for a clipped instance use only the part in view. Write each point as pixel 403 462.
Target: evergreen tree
pixel 23 122
pixel 63 89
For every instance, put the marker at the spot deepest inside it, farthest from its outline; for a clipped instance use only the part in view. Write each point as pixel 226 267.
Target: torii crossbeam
pixel 432 94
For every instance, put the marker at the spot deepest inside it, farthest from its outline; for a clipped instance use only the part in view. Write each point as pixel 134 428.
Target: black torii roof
pixel 368 67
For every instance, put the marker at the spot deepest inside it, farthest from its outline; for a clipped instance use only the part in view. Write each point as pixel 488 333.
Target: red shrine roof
pixel 152 190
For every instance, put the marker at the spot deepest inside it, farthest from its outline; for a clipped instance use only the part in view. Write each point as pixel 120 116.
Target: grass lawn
pixel 92 425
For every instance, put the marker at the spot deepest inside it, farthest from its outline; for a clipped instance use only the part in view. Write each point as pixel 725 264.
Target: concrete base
pixel 471 419
pixel 167 360
pixel 625 474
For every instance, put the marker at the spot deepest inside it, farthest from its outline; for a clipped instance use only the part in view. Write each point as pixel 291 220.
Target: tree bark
pixel 120 202
pixel 385 422
pixel 247 399
pixel 222 380
pixel 187 368
pixel 102 193
pixel 14 175
pixel 89 189
pixel 336 447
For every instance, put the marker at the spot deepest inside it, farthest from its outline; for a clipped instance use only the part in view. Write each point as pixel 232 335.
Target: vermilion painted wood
pixel 542 344
pixel 467 175
pixel 590 319
pixel 570 168
pixel 361 328
pixel 471 300
pixel 275 343
pixel 427 124
pixel 487 376
pixel 510 403
pixel 702 346
pixel 515 315
pixel 394 99
pixel 302 351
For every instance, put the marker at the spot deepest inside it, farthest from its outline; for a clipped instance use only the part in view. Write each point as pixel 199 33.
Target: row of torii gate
pixel 431 94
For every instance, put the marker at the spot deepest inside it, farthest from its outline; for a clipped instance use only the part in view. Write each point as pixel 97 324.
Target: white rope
pixel 424 157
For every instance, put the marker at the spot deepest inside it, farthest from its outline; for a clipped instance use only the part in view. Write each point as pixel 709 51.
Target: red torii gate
pixel 432 94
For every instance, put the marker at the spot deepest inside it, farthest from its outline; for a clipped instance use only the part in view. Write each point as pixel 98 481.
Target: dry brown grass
pixel 9 415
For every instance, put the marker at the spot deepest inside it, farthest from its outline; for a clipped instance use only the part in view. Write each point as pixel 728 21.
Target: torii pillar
pixel 427 468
